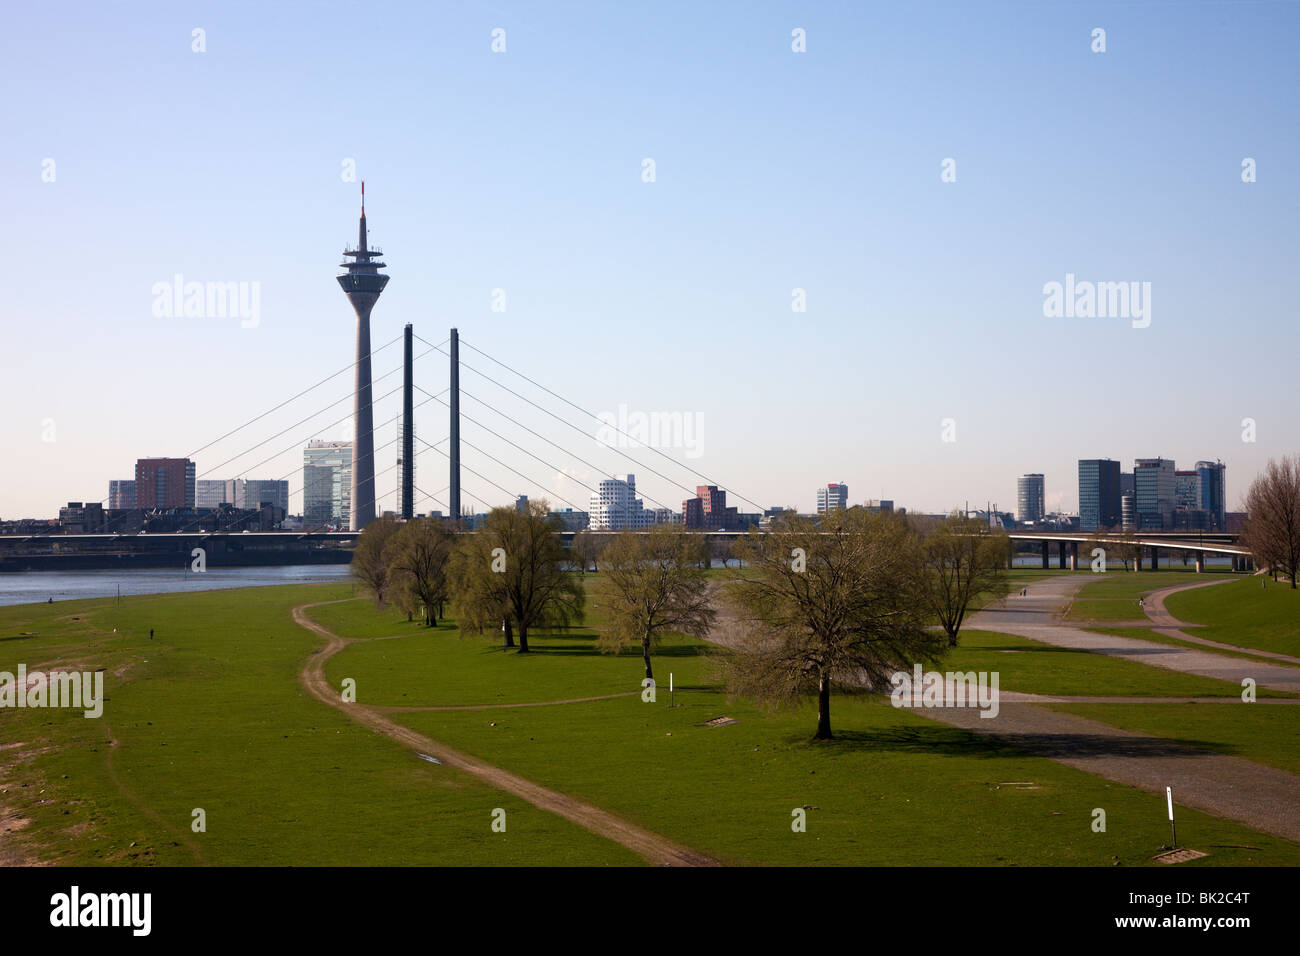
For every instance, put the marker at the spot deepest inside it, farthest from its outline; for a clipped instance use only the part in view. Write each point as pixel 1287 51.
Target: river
pixel 27 587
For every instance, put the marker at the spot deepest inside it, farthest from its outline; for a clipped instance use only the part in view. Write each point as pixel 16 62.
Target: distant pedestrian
pixel 1024 591
pixel 51 600
pixel 151 633
pixel 1140 604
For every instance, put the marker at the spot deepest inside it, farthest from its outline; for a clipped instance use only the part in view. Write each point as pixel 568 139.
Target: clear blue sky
pixel 775 170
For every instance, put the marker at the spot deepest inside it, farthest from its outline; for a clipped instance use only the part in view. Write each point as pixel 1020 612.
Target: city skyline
pixel 546 246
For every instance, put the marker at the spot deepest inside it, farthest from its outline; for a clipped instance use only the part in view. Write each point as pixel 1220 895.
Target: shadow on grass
pixel 945 741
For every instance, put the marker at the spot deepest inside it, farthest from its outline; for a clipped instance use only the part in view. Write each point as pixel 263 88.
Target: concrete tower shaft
pixel 362 283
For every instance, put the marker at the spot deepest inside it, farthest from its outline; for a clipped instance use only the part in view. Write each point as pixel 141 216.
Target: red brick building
pixel 164 483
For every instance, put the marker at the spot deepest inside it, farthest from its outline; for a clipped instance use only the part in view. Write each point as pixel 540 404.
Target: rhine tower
pixel 362 283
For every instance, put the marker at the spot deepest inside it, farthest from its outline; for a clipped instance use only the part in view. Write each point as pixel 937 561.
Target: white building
pixel 615 506
pixel 832 497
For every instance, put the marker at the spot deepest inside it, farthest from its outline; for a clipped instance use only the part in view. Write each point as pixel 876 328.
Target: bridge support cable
pixel 298 467
pixel 604 423
pixel 252 421
pixel 548 464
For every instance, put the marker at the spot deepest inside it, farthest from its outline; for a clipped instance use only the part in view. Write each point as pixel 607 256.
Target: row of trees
pixel 512 575
pixel 847 598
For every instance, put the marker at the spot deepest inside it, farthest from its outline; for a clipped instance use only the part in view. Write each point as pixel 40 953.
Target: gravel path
pixel 1035 616
pixel 1261 797
pixel 1162 622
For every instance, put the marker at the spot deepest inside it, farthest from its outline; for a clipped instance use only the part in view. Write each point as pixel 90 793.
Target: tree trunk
pixel 523 638
pixel 645 655
pixel 510 634
pixel 824 708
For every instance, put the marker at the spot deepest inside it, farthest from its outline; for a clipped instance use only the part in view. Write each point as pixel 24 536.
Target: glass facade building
pixel 1099 494
pixel 327 483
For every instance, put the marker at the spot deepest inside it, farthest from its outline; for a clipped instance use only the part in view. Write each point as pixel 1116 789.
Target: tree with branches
pixel 418 558
pixel 836 600
pixel 963 560
pixel 654 584
pixel 512 573
pixel 370 558
pixel 1273 517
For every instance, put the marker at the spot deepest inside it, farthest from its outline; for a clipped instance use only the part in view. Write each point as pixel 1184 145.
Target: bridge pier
pixel 1061 548
pixel 1200 562
pixel 1155 558
pixel 1074 556
pixel 1046 563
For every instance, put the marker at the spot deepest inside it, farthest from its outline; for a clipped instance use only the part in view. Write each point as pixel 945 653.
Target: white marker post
pixel 1169 795
pixel 670 688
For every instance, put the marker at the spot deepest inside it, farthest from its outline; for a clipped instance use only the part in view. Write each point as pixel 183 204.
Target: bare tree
pixel 418 555
pixel 654 584
pixel 369 558
pixel 836 599
pixel 1273 517
pixel 586 550
pixel 964 560
pixel 1123 548
pixel 512 573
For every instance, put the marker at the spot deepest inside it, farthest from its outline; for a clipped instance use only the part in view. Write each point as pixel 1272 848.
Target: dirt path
pixel 1162 622
pixel 649 845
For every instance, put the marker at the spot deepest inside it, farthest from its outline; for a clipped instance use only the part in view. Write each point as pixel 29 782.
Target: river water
pixel 27 587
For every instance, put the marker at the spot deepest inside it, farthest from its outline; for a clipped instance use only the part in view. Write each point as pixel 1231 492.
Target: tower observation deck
pixel 362 282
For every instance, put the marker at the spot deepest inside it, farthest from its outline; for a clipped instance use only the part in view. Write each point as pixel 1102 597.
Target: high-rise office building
pixel 1099 494
pixel 1187 490
pixel 1030 498
pixel 1212 492
pixel 1153 492
pixel 832 497
pixel 164 483
pixel 252 493
pixel 615 506
pixel 121 494
pixel 327 483
pixel 209 494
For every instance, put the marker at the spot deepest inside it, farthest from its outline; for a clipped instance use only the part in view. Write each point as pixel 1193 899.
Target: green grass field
pixel 1105 609
pixel 1244 614
pixel 210 714
pixel 1118 583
